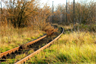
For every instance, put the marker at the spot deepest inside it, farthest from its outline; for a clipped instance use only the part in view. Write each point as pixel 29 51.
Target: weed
pixel 70 48
pixel 28 39
pixel 29 52
pixel 13 37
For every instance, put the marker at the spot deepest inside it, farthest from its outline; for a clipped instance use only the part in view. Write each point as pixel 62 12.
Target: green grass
pixel 17 58
pixel 13 37
pixel 70 48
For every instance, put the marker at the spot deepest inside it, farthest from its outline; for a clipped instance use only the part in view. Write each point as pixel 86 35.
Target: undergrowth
pixel 70 48
pixel 12 37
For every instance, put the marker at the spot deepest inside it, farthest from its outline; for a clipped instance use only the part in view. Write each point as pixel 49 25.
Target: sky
pixel 56 2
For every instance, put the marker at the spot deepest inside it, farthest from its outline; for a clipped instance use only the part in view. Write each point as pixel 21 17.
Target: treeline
pixel 21 13
pixel 84 13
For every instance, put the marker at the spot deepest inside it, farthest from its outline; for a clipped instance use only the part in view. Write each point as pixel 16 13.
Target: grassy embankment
pixel 13 37
pixel 72 47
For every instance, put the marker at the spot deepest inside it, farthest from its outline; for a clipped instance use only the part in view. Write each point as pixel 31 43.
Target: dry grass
pixel 65 26
pixel 50 30
pixel 70 48
pixel 12 37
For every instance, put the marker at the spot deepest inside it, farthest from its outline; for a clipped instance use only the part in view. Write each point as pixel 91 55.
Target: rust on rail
pixel 29 56
pixel 17 48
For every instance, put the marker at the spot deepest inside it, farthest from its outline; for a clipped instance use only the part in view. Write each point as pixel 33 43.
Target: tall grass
pixel 70 48
pixel 22 21
pixel 12 37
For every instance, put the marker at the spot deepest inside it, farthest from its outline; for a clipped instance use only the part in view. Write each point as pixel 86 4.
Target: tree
pixel 20 11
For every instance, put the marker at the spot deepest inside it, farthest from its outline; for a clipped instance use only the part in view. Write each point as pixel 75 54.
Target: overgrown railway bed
pixel 35 47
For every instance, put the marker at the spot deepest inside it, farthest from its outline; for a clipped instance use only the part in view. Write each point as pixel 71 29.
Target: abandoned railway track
pixel 34 46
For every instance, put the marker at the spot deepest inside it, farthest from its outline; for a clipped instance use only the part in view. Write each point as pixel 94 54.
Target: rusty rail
pixel 29 56
pixel 17 48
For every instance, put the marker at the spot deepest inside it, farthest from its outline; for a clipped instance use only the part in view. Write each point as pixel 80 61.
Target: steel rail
pixel 29 56
pixel 17 48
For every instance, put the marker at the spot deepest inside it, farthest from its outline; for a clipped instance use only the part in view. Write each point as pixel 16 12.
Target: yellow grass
pixel 12 37
pixel 70 48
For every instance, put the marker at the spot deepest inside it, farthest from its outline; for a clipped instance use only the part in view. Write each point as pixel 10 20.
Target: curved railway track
pixel 37 45
pixel 2 55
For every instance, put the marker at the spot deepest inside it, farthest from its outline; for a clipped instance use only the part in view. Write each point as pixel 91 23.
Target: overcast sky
pixel 56 2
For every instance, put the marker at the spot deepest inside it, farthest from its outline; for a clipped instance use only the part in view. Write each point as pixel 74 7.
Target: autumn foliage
pixel 23 13
pixel 19 12
pixel 85 13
